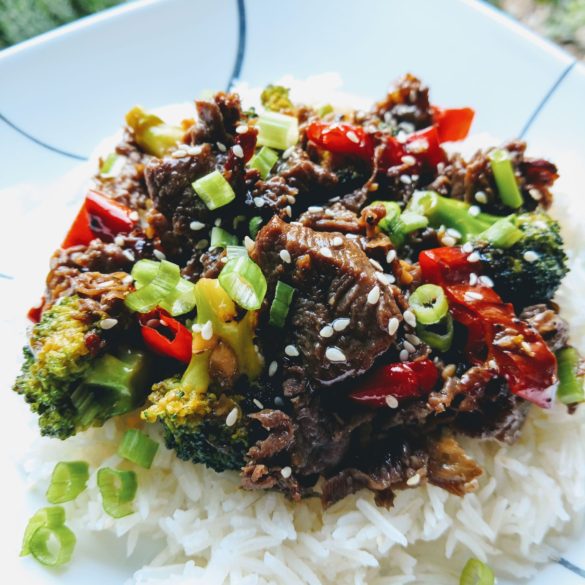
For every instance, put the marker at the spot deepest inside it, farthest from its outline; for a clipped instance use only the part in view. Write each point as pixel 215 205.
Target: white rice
pixel 210 532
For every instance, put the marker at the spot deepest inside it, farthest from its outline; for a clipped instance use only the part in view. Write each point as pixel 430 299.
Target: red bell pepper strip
pixel 424 146
pixel 35 313
pixel 99 217
pixel 401 380
pixel 340 138
pixel 166 336
pixel 494 334
pixel 452 124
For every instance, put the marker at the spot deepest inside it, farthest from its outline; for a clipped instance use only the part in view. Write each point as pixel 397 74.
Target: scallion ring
pixel 214 190
pixel 69 479
pixel 438 336
pixel 476 573
pixel 220 238
pixel 138 448
pixel 118 489
pixel 277 130
pixel 570 389
pixel 254 226
pixel 429 304
pixel 280 305
pixel 244 282
pixel 52 547
pixel 149 296
pixel 263 161
pixel 505 178
pixel 235 252
pixel 51 517
pixel 502 234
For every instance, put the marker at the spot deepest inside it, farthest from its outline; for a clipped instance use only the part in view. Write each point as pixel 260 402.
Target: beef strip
pixel 551 326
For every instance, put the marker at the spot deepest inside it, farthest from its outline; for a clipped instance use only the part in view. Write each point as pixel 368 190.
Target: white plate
pixel 61 93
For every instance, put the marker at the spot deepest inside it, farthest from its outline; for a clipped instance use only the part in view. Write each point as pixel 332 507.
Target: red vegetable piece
pixel 166 336
pixel 35 313
pixel 447 265
pixel 343 139
pixel 79 233
pixel 426 372
pixel 423 146
pixel 247 141
pixel 452 124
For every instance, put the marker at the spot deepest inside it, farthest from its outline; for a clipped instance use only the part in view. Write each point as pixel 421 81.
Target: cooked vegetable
pixel 166 336
pixel 476 573
pixel 152 134
pixel 438 336
pixel 138 448
pixel 244 282
pixel 340 138
pixel 263 161
pixel 220 238
pixel 277 130
pixel 399 224
pixel 118 490
pixel 69 479
pixel 51 517
pixel 571 376
pixel 65 384
pixel 283 295
pixel 214 190
pixel 112 166
pixel 52 547
pixel 429 304
pixel 452 124
pixel 275 98
pixel 505 178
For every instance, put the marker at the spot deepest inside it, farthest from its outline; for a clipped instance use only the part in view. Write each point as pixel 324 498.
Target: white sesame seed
pixel 288 210
pixel 207 331
pixel 454 233
pixel 337 241
pixel 287 153
pixel 127 279
pixel 108 323
pixel 326 331
pixel 326 252
pixel 341 323
pixel 285 256
pixel 376 264
pixel 241 129
pixel 194 150
pixel 467 247
pixel 473 257
pixel 130 255
pixel 474 211
pixel 473 279
pixel 486 281
pixel 481 197
pixel 158 255
pixel 473 296
pixel 179 153
pixel 412 338
pixel 351 236
pixel 448 241
pixel 314 208
pixel 217 222
pixel 248 243
pixel 403 355
pixel 405 179
pixel 413 481
pixel 393 325
pixel 384 279
pixel 353 136
pixel 232 418
pixel 272 368
pixel 119 241
pixel 535 194
pixel 196 225
pixel 224 259
pixel 409 347
pixel 259 201
pixel 530 256
pixel 202 244
pixel 133 215
pixel 334 199
pixel 409 318
pixel 391 256
pixel 391 401
pixel 286 472
pixel 374 295
pixel 291 351
pixel 258 403
pixel 334 354
pixel 291 199
pixel 238 150
pixel 408 160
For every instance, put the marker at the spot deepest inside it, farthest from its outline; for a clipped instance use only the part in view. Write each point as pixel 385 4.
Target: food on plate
pixel 323 302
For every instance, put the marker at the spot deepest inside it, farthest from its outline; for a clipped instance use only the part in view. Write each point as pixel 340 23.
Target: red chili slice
pixel 343 139
pixel 166 336
pixel 452 124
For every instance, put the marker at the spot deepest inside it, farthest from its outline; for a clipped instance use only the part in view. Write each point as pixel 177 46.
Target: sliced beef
pixel 551 326
pixel 333 278
pixel 332 218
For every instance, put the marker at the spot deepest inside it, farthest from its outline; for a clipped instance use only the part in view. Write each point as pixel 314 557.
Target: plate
pixel 64 91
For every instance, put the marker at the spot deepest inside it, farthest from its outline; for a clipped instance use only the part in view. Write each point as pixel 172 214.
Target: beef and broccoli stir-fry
pixel 322 301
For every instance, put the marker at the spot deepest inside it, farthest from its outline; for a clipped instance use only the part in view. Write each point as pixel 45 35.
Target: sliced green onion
pixel 144 271
pixel 324 110
pixel 244 282
pixel 118 490
pixel 214 190
pixel 502 234
pixel 280 305
pixel 429 304
pixel 505 178
pixel 570 389
pixel 51 517
pixel 235 252
pixel 476 573
pixel 264 160
pixel 254 226
pixel 181 300
pixel 152 134
pixel 112 166
pixel 438 336
pixel 150 295
pixel 69 479
pixel 277 130
pixel 138 448
pixel 220 238
pixel 52 547
pixel 399 224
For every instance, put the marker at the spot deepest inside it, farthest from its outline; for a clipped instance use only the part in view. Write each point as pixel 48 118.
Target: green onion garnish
pixel 438 336
pixel 277 130
pixel 221 239
pixel 138 448
pixel 324 110
pixel 69 479
pixel 399 224
pixel 254 226
pixel 264 160
pixel 51 517
pixel 429 304
pixel 112 166
pixel 505 178
pixel 52 547
pixel 244 282
pixel 502 234
pixel 570 389
pixel 214 190
pixel 280 305
pixel 118 489
pixel 476 573
pixel 235 252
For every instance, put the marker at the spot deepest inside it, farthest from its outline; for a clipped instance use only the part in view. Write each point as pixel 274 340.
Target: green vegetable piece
pixel 277 130
pixel 152 134
pixel 275 98
pixel 220 238
pixel 399 224
pixel 429 304
pixel 51 517
pixel 244 282
pixel 505 178
pixel 69 479
pixel 214 190
pixel 150 295
pixel 280 305
pixel 570 390
pixel 438 336
pixel 235 252
pixel 254 226
pixel 138 448
pixel 502 234
pixel 52 547
pixel 263 161
pixel 476 573
pixel 118 489
pixel 112 166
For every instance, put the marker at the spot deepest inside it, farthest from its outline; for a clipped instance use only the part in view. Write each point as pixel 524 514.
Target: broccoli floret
pixel 152 134
pixel 523 254
pixel 197 418
pixel 65 384
pixel 276 99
